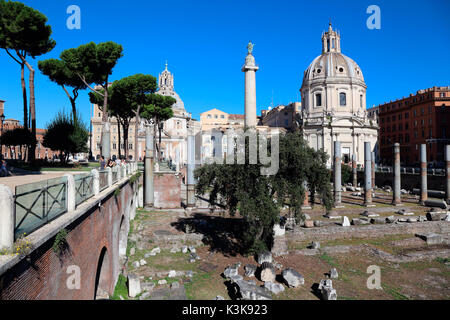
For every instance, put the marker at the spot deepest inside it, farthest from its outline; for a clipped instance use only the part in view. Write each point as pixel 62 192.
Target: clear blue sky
pixel 205 45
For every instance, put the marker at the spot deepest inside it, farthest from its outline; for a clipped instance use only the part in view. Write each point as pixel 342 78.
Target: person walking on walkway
pixel 3 170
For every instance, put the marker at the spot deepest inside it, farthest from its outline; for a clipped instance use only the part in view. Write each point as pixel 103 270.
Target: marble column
pixel 367 175
pixel 148 169
pixel 447 163
pixel 190 195
pixel 250 69
pixel 396 201
pixel 337 175
pixel 423 174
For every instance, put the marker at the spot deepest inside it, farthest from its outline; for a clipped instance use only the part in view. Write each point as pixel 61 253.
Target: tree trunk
pixel 136 128
pixel 32 151
pixel 24 94
pixel 106 138
pixel 159 142
pixel 125 127
pixel 118 131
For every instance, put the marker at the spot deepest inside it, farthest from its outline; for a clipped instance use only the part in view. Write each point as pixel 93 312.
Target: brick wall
pixel 167 187
pixel 44 275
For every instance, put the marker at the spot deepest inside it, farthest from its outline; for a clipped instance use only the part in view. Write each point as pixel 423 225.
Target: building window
pixel 342 99
pixel 442 94
pixel 130 146
pixel 318 100
pixel 406 115
pixel 415 112
pixel 114 146
pixel 400 116
pixel 208 116
pixel 407 137
pixel 222 116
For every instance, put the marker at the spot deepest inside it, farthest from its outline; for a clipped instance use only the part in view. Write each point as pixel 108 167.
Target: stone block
pixel 250 270
pixel 275 288
pixel 309 224
pixel 264 256
pixel 134 285
pixel 292 278
pixel 267 272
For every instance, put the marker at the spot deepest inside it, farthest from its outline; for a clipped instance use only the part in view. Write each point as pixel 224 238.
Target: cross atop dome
pixel 331 40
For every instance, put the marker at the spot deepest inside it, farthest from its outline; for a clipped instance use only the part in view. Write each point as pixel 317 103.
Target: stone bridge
pixel 91 252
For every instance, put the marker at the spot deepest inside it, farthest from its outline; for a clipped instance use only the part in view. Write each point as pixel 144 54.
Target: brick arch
pixel 123 237
pixel 103 275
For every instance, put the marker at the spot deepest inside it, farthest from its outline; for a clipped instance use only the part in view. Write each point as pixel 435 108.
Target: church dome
pixel 332 64
pixel 333 83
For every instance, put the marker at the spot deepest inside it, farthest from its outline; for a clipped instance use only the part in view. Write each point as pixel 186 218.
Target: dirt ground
pixel 428 278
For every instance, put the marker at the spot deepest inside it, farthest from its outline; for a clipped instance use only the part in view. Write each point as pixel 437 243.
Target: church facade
pixel 334 103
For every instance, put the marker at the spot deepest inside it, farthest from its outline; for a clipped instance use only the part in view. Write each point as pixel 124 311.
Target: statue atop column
pixel 250 47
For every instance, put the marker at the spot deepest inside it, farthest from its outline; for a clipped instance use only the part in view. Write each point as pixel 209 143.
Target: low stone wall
pixel 167 188
pixel 409 181
pixel 367 231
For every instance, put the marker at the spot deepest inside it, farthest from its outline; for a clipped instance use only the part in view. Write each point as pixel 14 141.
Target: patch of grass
pixel 205 286
pixel 120 289
pixel 394 292
pixel 330 260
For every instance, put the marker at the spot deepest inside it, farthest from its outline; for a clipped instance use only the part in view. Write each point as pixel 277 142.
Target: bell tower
pixel 165 80
pixel 331 41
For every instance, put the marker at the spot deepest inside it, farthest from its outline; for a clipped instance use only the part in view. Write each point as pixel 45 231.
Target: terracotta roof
pixel 236 116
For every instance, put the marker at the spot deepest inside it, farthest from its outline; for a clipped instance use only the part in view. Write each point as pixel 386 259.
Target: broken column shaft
pixel 397 182
pixel 447 160
pixel 367 174
pixel 337 174
pixel 354 172
pixel 423 174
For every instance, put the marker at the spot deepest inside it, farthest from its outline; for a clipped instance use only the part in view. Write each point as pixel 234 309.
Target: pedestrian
pixel 102 163
pixel 3 170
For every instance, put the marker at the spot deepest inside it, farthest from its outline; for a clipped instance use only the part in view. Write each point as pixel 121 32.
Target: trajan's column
pixel 250 87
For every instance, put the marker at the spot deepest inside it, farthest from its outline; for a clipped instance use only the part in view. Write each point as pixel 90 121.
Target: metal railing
pixel 84 188
pixel 38 203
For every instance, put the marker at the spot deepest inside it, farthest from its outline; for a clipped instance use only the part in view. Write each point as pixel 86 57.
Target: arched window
pixel 342 99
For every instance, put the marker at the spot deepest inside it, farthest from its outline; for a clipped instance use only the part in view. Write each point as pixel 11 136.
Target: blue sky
pixel 205 45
